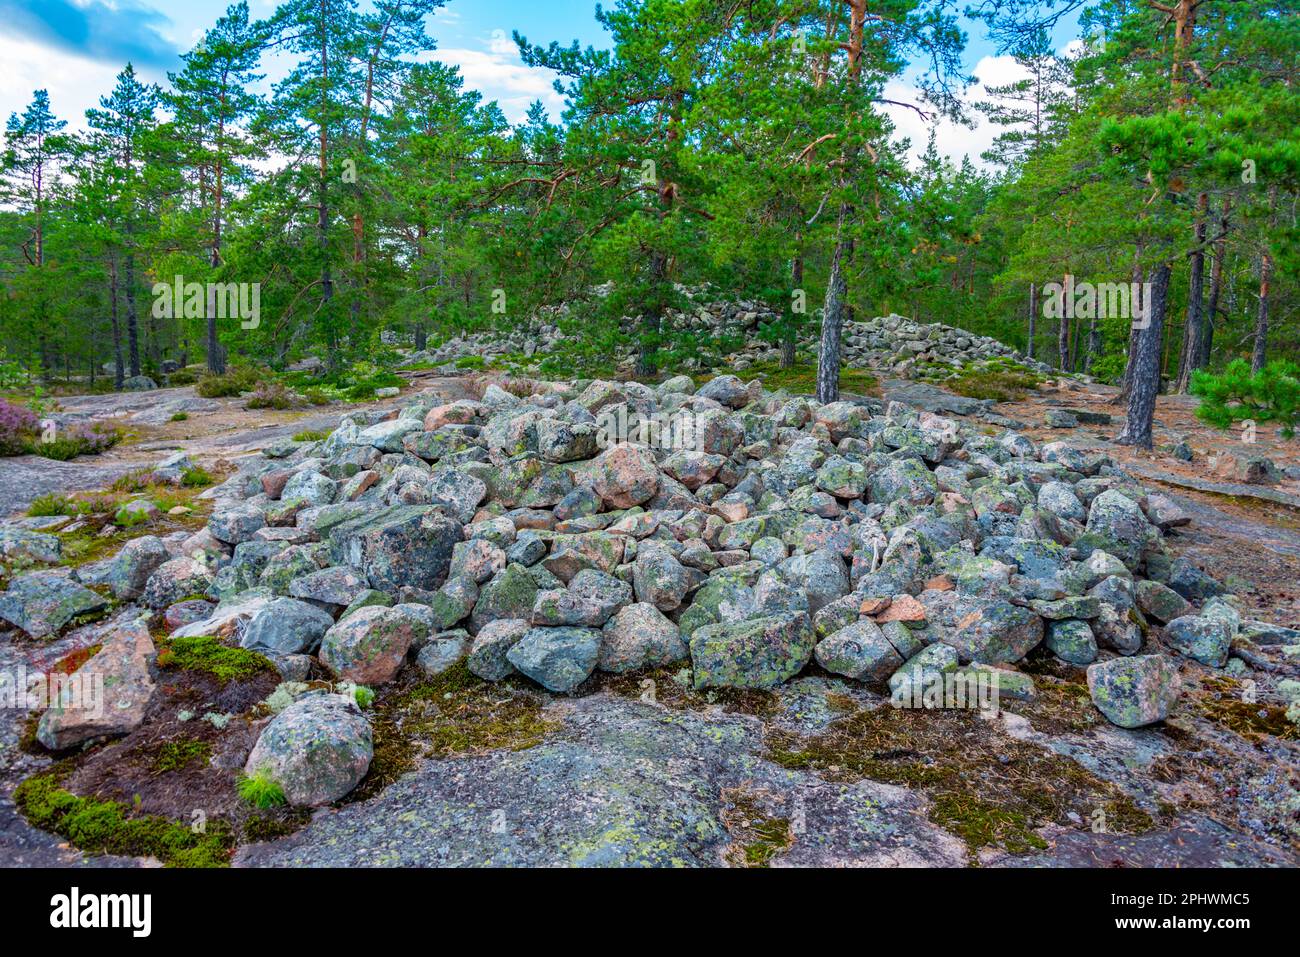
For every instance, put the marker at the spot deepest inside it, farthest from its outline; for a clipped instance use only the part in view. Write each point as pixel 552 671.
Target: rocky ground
pixel 467 629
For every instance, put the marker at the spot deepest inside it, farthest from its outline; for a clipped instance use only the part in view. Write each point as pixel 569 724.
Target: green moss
pixel 1223 702
pixel 453 713
pixel 802 378
pixel 273 825
pixel 177 755
pixel 108 827
pixel 207 654
pixel 758 836
pixel 999 381
pixel 985 787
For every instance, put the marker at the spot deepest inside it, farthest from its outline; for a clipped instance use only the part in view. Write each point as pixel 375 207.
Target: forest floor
pixel 1206 788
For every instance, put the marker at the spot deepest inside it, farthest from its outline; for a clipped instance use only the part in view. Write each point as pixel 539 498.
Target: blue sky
pixel 75 47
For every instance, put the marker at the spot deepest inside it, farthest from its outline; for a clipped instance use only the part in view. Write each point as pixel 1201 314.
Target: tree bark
pixel 118 371
pixel 132 323
pixel 1259 354
pixel 837 289
pixel 1063 334
pixel 1210 315
pixel 1145 363
pixel 1195 291
pixel 1033 319
pixel 789 339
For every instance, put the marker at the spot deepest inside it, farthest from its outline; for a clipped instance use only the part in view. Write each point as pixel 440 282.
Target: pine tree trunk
pixel 647 363
pixel 1195 291
pixel 1094 345
pixel 1063 336
pixel 322 222
pixel 119 375
pixel 1145 363
pixel 1127 381
pixel 789 340
pixel 1210 314
pixel 1259 354
pixel 132 323
pixel 1033 318
pixel 837 290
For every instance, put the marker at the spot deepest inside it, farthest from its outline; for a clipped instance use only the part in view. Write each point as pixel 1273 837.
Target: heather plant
pixel 18 426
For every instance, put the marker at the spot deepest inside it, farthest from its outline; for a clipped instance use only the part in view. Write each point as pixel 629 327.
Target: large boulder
pixel 396 546
pixel 317 749
pixel 487 655
pixel 128 571
pixel 639 636
pixel 759 653
pixel 558 659
pixel 286 626
pixel 1205 638
pixel 626 475
pixel 41 603
pixel 369 646
pixel 860 651
pixel 105 697
pixel 1136 691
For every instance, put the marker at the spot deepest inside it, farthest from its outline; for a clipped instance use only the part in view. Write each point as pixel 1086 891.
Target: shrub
pixel 272 395
pixel 181 377
pixel 261 790
pixel 310 435
pixel 316 397
pixel 180 417
pixel 18 425
pixel 232 383
pixel 471 362
pixel 52 504
pixel 77 440
pixel 1237 395
pixel 196 478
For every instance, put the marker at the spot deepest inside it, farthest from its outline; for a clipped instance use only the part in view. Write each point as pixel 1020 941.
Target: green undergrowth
pixel 204 653
pixel 110 827
pixel 999 380
pixel 801 378
pixel 180 754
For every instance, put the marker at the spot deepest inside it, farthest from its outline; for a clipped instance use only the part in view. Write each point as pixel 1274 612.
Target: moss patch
pixel 451 714
pixel 207 654
pixel 180 754
pixel 109 827
pixel 985 787
pixel 669 689
pixel 1223 702
pixel 757 835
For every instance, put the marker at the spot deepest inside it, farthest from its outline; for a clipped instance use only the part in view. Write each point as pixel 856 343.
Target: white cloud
pixel 500 75
pixel 952 139
pixel 75 84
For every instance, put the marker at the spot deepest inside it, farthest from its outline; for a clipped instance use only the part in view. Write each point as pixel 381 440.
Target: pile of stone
pixel 888 545
pixel 891 344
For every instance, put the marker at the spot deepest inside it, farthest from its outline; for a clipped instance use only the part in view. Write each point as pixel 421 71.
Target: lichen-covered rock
pixel 176 579
pixel 1206 639
pixel 487 655
pixel 336 585
pixel 456 491
pixel 1132 692
pixel 570 554
pixel 128 571
pixel 1120 527
pixel 369 646
pixel 236 524
pixel 659 578
pixel 920 671
pixel 317 749
pixel 286 626
pixel 511 594
pixel 310 488
pixel 453 602
pixel 41 603
pixel 759 653
pixel 726 389
pixel 994 632
pixel 905 480
pixel 639 636
pixel 442 652
pixel 558 659
pixel 18 544
pixel 396 546
pixel 1161 602
pixel 626 475
pixel 1072 641
pixel 105 697
pixel 860 651
pixel 591 598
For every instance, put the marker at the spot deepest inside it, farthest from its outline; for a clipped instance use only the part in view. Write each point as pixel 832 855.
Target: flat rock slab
pixel 931 398
pixel 1193 842
pixel 619 783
